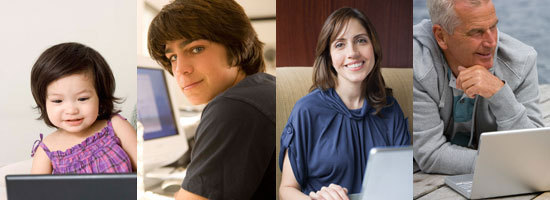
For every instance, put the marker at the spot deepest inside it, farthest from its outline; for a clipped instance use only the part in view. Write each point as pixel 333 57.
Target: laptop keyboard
pixel 466 185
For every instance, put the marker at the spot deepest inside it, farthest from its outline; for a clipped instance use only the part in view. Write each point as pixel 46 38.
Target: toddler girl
pixel 73 87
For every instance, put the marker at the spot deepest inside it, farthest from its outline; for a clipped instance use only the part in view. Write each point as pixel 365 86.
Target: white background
pixel 27 28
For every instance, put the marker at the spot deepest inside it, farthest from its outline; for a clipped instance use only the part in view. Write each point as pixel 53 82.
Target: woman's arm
pixel 128 138
pixel 289 188
pixel 41 163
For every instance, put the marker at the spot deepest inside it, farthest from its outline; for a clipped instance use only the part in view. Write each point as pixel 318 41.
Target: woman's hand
pixel 332 192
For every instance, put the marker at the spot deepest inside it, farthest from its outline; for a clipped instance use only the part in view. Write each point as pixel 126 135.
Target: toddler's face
pixel 72 103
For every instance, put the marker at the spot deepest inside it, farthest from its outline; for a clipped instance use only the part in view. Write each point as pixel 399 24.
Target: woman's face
pixel 352 54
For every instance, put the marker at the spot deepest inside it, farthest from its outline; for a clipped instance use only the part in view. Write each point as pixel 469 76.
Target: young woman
pixel 325 144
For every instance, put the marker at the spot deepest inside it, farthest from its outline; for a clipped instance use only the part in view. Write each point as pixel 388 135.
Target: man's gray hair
pixel 442 12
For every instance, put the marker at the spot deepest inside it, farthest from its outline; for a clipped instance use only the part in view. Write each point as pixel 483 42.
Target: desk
pixel 432 186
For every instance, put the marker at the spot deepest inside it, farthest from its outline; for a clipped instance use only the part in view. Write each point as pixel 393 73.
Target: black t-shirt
pixel 234 153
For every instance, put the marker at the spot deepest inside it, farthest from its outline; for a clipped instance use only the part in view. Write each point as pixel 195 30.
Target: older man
pixel 469 78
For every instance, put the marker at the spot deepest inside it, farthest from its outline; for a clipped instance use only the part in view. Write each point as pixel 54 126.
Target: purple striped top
pixel 99 153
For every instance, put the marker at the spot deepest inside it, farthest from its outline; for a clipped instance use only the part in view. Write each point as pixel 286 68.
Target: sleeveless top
pixel 100 153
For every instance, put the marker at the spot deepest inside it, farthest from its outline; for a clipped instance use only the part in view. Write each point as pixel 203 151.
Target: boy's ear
pixel 440 36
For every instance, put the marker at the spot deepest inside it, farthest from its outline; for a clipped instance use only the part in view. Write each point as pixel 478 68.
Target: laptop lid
pixel 389 174
pixel 74 186
pixel 512 162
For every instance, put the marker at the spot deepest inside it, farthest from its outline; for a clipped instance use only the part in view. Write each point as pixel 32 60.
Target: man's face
pixel 474 41
pixel 201 69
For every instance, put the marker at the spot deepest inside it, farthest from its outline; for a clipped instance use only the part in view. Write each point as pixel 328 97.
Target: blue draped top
pixel 328 143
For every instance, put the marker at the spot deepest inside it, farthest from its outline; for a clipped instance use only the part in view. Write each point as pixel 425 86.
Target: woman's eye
pixel 196 50
pixel 83 99
pixel 362 40
pixel 339 45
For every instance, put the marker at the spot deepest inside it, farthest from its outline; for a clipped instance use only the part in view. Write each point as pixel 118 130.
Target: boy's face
pixel 201 69
pixel 72 103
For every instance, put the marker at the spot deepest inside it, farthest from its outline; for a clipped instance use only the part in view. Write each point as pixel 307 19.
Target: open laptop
pixel 75 186
pixel 389 174
pixel 508 163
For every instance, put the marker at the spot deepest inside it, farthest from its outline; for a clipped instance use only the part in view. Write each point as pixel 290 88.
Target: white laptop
pixel 389 174
pixel 508 163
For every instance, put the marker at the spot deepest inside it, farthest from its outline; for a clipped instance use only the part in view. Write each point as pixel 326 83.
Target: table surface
pixel 432 186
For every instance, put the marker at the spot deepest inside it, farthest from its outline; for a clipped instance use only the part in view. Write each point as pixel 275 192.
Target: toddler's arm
pixel 41 163
pixel 128 138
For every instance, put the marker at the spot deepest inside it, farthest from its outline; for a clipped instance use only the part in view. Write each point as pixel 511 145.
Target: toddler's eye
pixel 56 101
pixel 83 99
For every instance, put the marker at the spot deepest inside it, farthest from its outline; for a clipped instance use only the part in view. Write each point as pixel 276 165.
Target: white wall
pixel 27 28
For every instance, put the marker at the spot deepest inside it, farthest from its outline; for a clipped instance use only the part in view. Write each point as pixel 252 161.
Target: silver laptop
pixel 389 174
pixel 75 186
pixel 508 163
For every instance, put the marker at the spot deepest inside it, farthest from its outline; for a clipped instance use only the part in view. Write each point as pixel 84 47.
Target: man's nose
pixel 490 38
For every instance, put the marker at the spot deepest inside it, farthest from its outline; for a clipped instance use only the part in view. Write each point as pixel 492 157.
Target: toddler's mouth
pixel 74 122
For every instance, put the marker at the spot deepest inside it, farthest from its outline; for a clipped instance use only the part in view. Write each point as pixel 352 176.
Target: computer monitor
pixel 164 138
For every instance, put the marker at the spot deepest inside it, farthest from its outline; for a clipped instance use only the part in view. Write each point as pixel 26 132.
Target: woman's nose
pixel 352 51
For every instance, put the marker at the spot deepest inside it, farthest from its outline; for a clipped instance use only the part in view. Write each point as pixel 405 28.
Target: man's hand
pixel 477 80
pixel 332 192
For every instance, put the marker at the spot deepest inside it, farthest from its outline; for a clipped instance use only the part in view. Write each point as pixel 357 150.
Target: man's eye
pixel 83 99
pixel 196 50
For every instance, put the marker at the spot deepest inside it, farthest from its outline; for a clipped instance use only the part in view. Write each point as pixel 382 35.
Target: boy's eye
pixel 173 58
pixel 196 50
pixel 83 99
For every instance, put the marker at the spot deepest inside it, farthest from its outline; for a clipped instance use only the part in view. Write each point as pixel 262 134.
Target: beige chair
pixel 294 82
